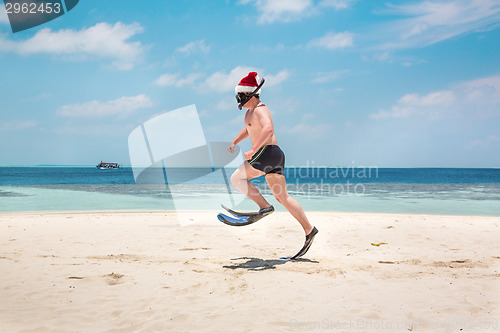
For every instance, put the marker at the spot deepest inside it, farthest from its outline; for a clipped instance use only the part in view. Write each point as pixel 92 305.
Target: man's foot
pixel 266 211
pixel 307 244
pixel 261 213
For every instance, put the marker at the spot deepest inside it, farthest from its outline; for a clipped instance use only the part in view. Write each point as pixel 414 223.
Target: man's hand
pixel 231 148
pixel 248 155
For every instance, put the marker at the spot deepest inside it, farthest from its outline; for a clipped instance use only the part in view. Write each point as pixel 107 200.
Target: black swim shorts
pixel 269 159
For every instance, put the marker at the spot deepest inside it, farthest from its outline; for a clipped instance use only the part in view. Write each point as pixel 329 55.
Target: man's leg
pixel 240 180
pixel 277 184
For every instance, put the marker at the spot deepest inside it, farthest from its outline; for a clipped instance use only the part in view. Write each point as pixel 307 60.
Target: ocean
pixel 445 191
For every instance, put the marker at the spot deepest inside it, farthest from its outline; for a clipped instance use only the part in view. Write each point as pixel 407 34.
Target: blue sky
pixel 363 83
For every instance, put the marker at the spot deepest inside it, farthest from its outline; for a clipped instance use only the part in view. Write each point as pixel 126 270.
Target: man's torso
pixel 254 127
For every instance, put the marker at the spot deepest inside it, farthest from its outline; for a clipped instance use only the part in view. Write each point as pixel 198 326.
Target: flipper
pixel 234 221
pixel 241 218
pixel 307 245
pixel 263 212
pixel 239 221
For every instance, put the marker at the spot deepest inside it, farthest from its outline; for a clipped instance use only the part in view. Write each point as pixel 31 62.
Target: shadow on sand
pixel 257 264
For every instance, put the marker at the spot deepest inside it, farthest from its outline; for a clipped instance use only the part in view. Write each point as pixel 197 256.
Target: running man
pixel 264 158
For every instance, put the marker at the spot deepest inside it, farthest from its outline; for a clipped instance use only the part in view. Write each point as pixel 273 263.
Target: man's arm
pixel 240 137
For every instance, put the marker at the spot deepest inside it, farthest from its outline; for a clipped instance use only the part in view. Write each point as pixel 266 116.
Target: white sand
pixel 142 272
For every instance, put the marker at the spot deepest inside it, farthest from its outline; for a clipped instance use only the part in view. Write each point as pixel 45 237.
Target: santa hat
pixel 248 84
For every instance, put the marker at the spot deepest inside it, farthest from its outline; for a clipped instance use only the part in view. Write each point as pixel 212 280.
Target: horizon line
pixel 292 166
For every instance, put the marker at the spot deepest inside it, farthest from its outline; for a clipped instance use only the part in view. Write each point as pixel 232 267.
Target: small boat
pixel 107 165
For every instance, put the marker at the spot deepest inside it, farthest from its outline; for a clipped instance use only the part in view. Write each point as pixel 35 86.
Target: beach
pixel 142 271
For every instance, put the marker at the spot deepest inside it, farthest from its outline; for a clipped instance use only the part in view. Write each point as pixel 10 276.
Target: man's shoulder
pixel 261 108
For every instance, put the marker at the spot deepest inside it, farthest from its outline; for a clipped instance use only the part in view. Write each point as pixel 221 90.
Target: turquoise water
pixel 30 198
pixel 415 191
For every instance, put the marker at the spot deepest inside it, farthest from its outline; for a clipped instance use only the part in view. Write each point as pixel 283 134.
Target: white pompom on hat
pixel 248 84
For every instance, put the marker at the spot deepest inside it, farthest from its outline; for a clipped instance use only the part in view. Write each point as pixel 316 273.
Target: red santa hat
pixel 248 84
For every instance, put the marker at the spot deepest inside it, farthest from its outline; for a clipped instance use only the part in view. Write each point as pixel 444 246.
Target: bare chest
pixel 251 121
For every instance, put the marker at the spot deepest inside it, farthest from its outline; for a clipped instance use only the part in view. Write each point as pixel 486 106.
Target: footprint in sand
pixel 113 278
pixel 194 249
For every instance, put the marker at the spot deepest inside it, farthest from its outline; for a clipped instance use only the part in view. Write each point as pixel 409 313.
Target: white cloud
pixel 480 97
pixel 262 48
pixel 14 126
pixel 306 131
pixel 329 76
pixel 166 79
pixel 175 80
pixel 101 40
pixel 414 104
pixel 390 57
pixel 292 10
pixel 274 80
pixel 282 11
pixel 121 106
pixel 337 4
pixel 189 80
pixel 333 40
pixel 485 89
pixel 483 95
pixel 194 47
pixel 430 22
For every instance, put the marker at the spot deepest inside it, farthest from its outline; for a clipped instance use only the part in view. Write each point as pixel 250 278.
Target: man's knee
pixel 282 199
pixel 236 177
pixel 280 194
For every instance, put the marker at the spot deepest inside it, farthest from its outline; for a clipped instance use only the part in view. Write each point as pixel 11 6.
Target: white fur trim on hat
pixel 245 89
